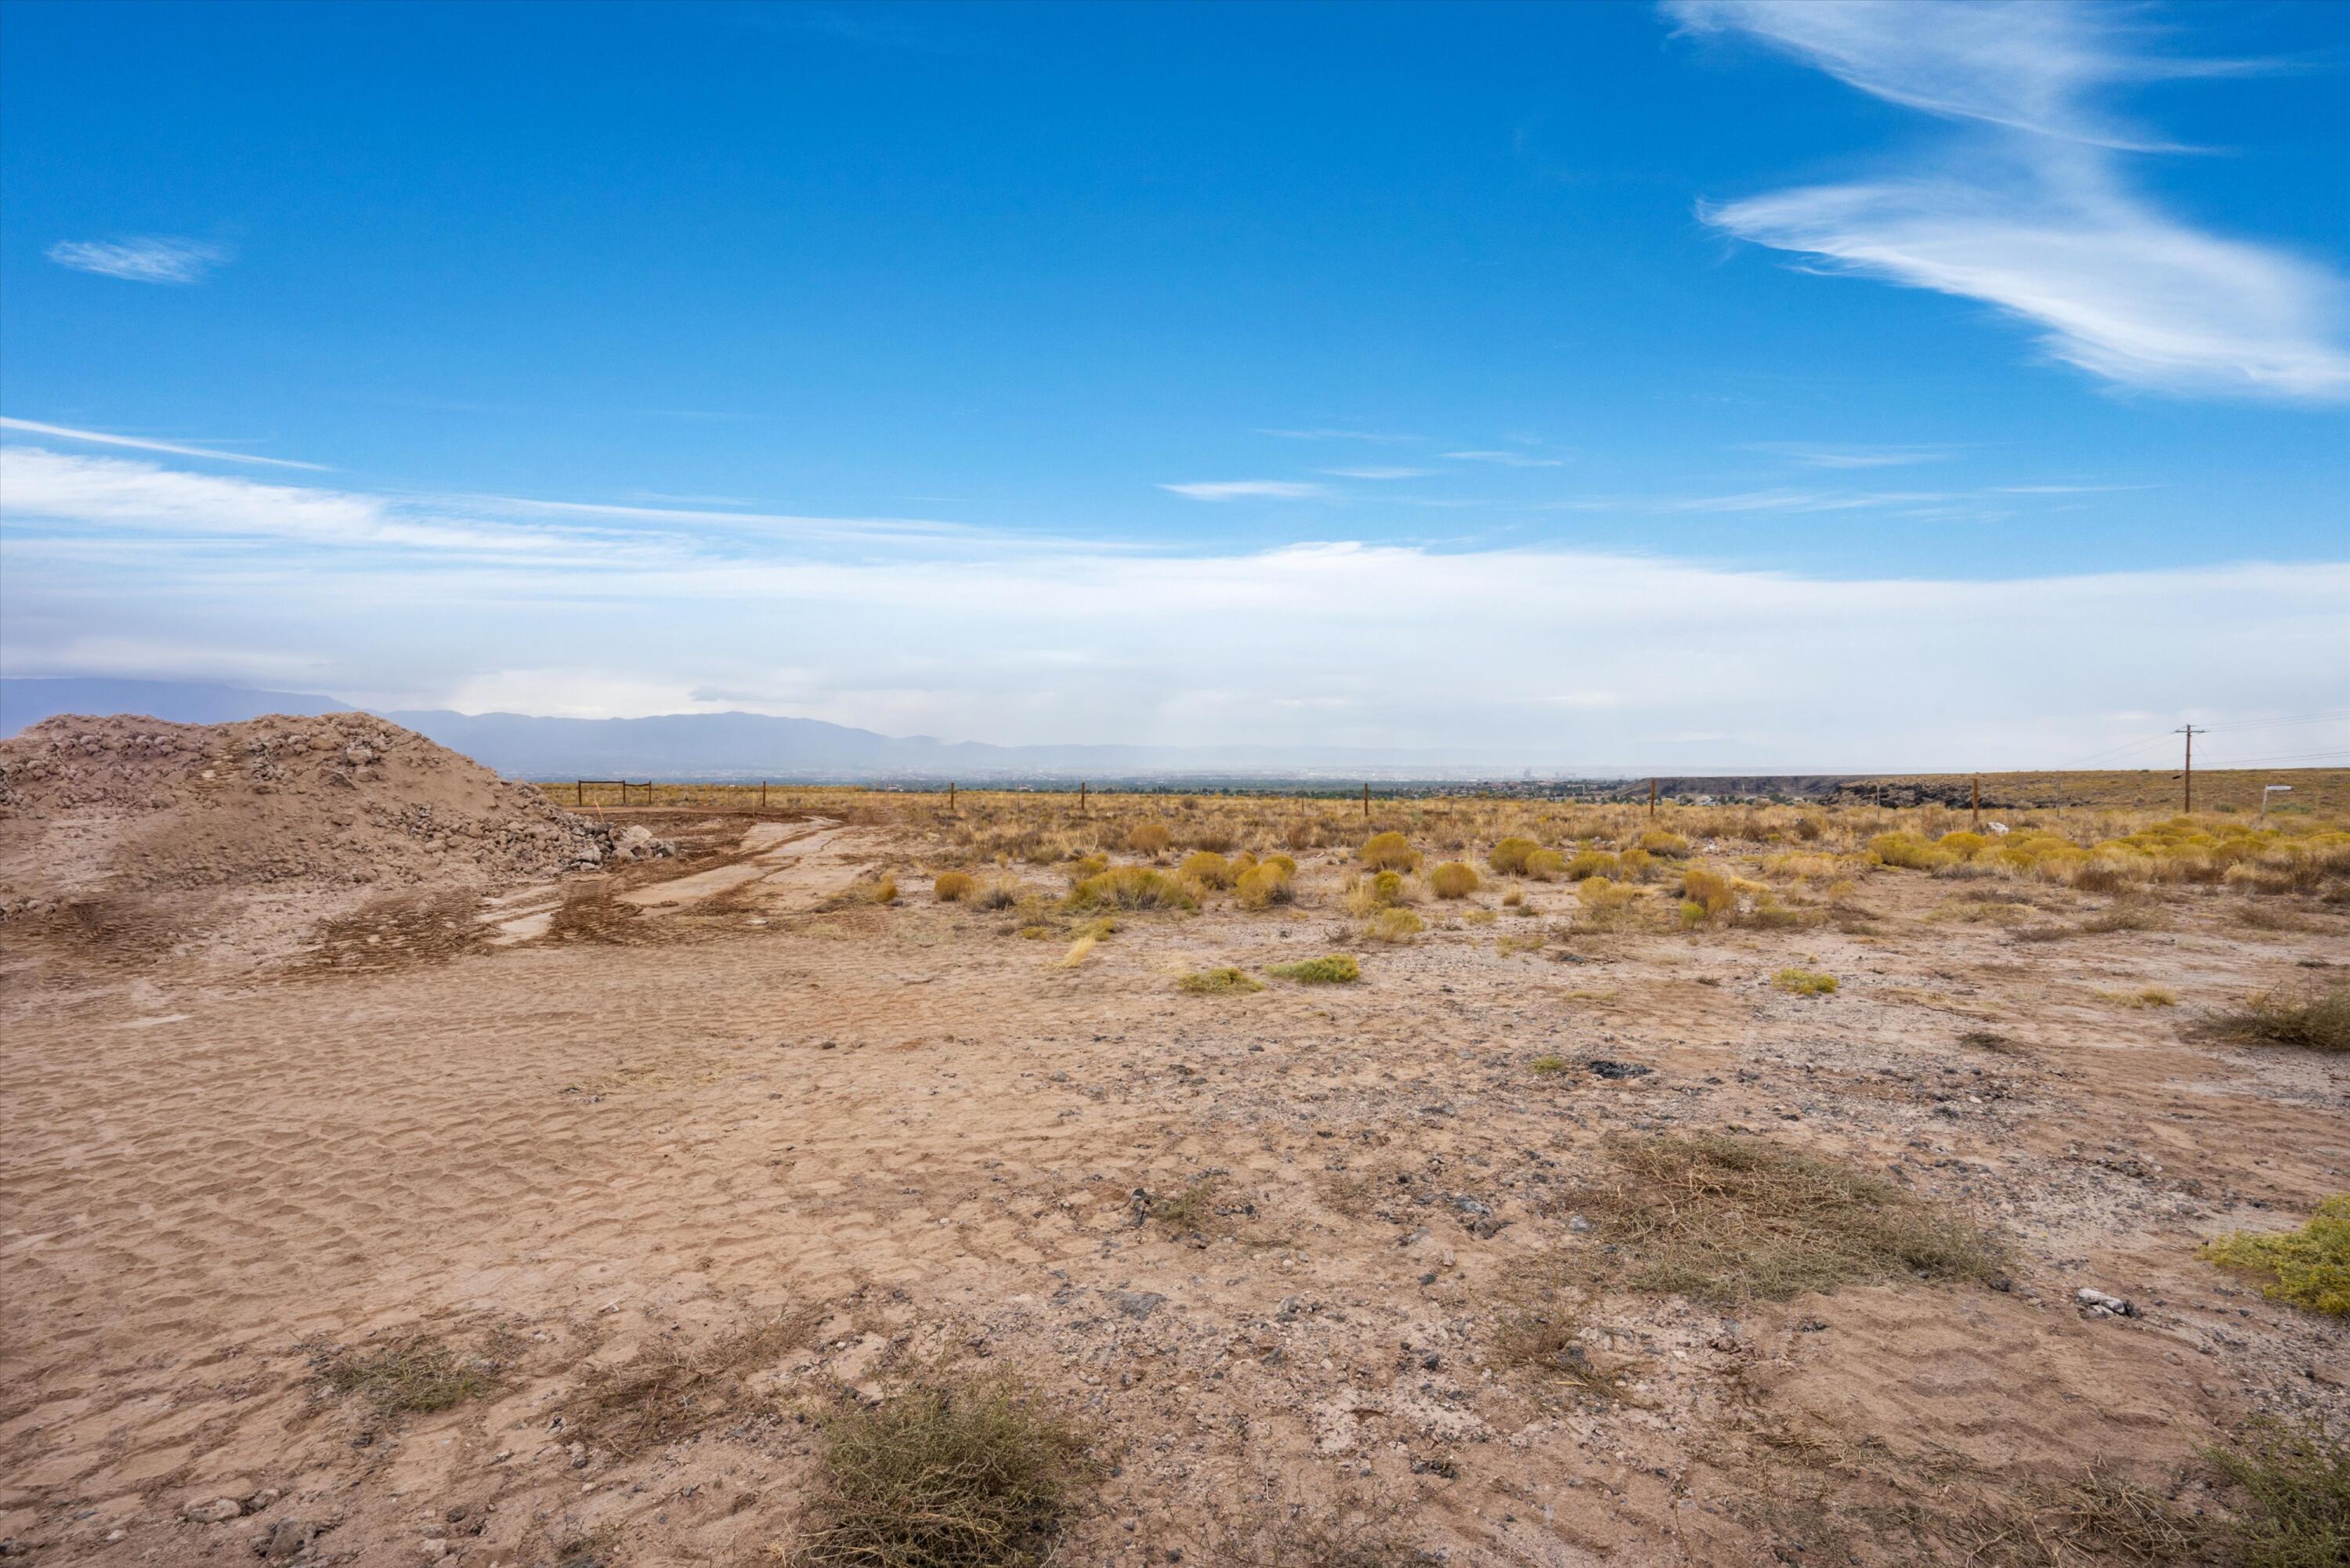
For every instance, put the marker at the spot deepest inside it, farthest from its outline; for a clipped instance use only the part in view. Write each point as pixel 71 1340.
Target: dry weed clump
pixel 1225 982
pixel 672 1388
pixel 1803 982
pixel 1131 887
pixel 2317 1019
pixel 1550 1341
pixel 2297 1482
pixel 2141 999
pixel 1389 852
pixel 1394 925
pixel 1723 1219
pixel 2309 1267
pixel 412 1376
pixel 1453 879
pixel 1657 841
pixel 1150 838
pixel 975 1475
pixel 1590 863
pixel 1545 866
pixel 953 887
pixel 1337 969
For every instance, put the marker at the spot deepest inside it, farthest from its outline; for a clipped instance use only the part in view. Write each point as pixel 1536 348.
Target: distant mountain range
pixel 717 746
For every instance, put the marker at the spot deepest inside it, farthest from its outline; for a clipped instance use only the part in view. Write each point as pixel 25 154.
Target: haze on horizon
pixel 1772 386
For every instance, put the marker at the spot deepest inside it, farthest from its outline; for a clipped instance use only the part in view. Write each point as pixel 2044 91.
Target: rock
pixel 1608 1069
pixel 2097 1303
pixel 213 1509
pixel 358 754
pixel 286 1539
pixel 1137 1304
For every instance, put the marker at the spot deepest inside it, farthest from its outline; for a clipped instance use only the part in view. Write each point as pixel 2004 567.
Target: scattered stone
pixel 2097 1303
pixel 1608 1069
pixel 1137 1304
pixel 213 1510
pixel 286 1540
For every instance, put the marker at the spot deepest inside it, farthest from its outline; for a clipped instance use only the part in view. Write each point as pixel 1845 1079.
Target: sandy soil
pixel 912 1139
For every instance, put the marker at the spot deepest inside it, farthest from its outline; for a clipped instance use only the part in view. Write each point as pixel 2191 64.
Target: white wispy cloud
pixel 2033 213
pixel 1339 435
pixel 1506 459
pixel 1246 489
pixel 1376 472
pixel 150 258
pixel 1851 456
pixel 99 438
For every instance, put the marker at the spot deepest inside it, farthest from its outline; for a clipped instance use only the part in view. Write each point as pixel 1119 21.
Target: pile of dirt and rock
pixel 127 805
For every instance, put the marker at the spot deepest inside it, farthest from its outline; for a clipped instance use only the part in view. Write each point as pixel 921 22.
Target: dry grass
pixel 2315 1018
pixel 1721 1218
pixel 1131 888
pixel 412 1376
pixel 971 1475
pixel 1338 969
pixel 2141 1000
pixel 1393 926
pixel 672 1389
pixel 953 887
pixel 1550 1341
pixel 2297 1484
pixel 1225 981
pixel 1803 982
pixel 1389 852
pixel 2309 1267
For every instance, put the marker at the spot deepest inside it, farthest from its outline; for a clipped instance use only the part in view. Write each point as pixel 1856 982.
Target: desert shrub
pixel 2317 1019
pixel 1086 866
pixel 1588 863
pixel 1803 982
pixel 1656 841
pixel 2309 1267
pixel 1336 969
pixel 1453 879
pixel 2297 1482
pixel 1908 851
pixel 1545 866
pixel 1964 845
pixel 953 887
pixel 1243 861
pixel 1131 888
pixel 1723 1219
pixel 2150 996
pixel 1207 868
pixel 1387 888
pixel 976 1476
pixel 883 889
pixel 1261 887
pixel 1634 865
pixel 1288 866
pixel 1394 926
pixel 1003 893
pixel 1223 982
pixel 1389 852
pixel 1548 1065
pixel 1705 894
pixel 1214 840
pixel 1150 838
pixel 1509 856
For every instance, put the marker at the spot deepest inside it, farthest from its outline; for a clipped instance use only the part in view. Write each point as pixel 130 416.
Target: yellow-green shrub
pixel 1656 841
pixel 1633 865
pixel 1394 926
pixel 1336 969
pixel 1389 852
pixel 1592 863
pixel 1288 866
pixel 1262 885
pixel 1909 851
pixel 1131 888
pixel 1509 855
pixel 1150 838
pixel 2309 1267
pixel 1453 879
pixel 1803 982
pixel 952 886
pixel 1087 865
pixel 1545 866
pixel 1387 887
pixel 1207 868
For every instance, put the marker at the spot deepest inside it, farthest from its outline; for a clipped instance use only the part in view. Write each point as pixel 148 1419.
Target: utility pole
pixel 1367 800
pixel 949 797
pixel 2191 731
pixel 1081 797
pixel 1977 826
pixel 1652 798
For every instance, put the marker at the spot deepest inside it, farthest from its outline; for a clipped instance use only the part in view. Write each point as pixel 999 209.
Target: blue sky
pixel 1747 383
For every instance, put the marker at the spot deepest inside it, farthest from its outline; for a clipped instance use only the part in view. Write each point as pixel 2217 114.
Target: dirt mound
pixel 124 805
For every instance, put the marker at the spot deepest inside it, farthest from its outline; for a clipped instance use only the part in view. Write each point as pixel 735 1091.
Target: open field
pixel 1720 1188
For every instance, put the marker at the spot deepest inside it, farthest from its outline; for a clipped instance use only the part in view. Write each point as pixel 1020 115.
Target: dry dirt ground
pixel 720 1126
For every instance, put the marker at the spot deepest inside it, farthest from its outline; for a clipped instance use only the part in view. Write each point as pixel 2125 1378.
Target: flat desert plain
pixel 573 1220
